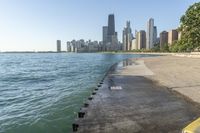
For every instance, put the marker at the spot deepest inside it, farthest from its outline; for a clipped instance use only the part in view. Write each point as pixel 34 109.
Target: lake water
pixel 41 93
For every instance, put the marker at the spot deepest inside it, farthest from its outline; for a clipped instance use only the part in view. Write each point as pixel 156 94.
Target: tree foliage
pixel 189 29
pixel 165 48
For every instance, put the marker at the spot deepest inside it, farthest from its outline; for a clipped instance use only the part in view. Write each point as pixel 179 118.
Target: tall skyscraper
pixel 163 39
pixel 136 38
pixel 154 35
pixel 112 35
pixel 127 37
pixel 58 45
pixel 150 33
pixel 111 24
pixel 110 40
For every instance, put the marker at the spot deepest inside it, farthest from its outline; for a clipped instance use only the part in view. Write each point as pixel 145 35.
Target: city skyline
pixel 35 25
pixel 141 41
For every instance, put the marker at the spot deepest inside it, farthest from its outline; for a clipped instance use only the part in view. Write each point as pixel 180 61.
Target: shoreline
pixel 104 106
pixel 188 55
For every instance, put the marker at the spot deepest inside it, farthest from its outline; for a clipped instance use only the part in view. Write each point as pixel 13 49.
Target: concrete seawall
pixel 142 101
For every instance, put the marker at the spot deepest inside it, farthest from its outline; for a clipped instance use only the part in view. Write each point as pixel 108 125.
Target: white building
pixel 127 37
pixel 150 34
pixel 68 47
pixel 134 45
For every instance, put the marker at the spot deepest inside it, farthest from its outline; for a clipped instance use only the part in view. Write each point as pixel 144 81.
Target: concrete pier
pixel 141 106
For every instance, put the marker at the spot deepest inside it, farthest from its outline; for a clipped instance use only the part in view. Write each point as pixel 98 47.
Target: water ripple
pixel 40 93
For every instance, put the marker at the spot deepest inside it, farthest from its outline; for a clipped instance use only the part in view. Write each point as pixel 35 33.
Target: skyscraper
pixel 110 39
pixel 127 37
pixel 150 33
pixel 136 38
pixel 58 45
pixel 154 35
pixel 111 24
pixel 105 37
pixel 112 35
pixel 68 46
pixel 105 34
pixel 141 39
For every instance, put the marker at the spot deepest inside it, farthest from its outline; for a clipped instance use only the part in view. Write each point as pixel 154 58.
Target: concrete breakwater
pixel 142 105
pixel 83 110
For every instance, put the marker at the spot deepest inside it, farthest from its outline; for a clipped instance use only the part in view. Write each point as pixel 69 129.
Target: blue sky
pixel 27 25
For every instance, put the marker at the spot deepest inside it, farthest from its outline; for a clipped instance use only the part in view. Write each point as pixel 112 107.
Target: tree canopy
pixel 189 29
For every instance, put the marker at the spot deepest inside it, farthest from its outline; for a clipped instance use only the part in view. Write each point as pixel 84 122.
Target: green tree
pixel 165 48
pixel 190 29
pixel 156 48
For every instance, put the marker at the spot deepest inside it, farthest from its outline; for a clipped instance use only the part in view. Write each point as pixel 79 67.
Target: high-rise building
pixel 172 36
pixel 141 39
pixel 154 35
pixel 111 24
pixel 150 33
pixel 105 34
pixel 136 38
pixel 112 35
pixel 110 40
pixel 73 45
pixel 127 37
pixel 58 45
pixel 163 39
pixel 68 46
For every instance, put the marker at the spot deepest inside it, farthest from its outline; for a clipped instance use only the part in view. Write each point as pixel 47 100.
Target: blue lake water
pixel 41 93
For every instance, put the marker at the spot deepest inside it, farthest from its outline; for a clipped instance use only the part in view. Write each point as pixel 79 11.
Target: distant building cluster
pixel 80 46
pixel 142 40
pixel 83 46
pixel 147 39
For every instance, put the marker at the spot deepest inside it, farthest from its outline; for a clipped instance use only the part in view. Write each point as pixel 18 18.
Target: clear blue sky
pixel 37 24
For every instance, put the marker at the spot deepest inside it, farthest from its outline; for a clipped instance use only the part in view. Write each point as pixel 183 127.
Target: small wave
pixel 41 92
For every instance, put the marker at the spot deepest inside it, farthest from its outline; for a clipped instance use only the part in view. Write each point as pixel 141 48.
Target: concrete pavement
pixel 142 106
